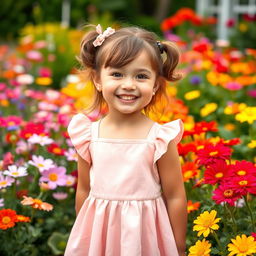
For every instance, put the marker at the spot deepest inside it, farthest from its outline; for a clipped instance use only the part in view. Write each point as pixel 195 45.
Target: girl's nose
pixel 128 84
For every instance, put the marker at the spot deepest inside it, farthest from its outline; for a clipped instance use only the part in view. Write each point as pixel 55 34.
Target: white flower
pixel 42 140
pixel 25 79
pixel 41 163
pixel 15 171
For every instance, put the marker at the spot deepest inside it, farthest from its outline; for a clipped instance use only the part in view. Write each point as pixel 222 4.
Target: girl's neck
pixel 125 119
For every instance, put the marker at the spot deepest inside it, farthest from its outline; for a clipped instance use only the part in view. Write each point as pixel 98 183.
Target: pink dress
pixel 124 214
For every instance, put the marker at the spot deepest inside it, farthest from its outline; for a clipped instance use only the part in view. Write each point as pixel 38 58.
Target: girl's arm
pixel 174 194
pixel 83 184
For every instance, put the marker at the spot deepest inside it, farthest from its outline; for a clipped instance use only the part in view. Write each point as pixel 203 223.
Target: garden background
pixel 40 91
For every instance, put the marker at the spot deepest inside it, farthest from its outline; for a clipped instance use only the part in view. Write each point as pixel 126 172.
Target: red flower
pixel 216 172
pixel 32 128
pixel 243 168
pixel 211 153
pixel 201 127
pixel 244 184
pixel 224 193
pixel 56 149
pixel 231 142
pixel 184 149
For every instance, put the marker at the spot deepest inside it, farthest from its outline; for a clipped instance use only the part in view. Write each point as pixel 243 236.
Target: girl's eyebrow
pixel 143 70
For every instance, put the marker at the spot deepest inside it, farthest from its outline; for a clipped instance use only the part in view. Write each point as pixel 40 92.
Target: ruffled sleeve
pixel 166 133
pixel 79 130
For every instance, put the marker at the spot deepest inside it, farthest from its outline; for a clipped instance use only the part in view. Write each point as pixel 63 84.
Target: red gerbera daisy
pixel 244 184
pixel 184 149
pixel 242 168
pixel 211 153
pixel 216 172
pixel 224 193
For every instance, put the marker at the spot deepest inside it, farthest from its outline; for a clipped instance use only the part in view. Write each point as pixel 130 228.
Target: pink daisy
pixel 55 176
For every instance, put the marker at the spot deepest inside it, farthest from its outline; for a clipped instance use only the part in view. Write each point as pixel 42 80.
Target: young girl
pixel 130 196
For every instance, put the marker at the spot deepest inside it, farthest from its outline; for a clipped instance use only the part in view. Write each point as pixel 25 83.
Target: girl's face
pixel 128 89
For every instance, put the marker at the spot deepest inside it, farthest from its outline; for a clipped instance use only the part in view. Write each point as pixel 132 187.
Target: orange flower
pixel 8 218
pixel 21 218
pixel 189 171
pixel 192 206
pixel 36 203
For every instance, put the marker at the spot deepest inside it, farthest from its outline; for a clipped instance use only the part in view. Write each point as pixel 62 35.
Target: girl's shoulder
pixel 79 131
pixel 171 131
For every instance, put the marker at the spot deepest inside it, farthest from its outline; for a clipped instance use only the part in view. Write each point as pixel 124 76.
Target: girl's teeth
pixel 127 97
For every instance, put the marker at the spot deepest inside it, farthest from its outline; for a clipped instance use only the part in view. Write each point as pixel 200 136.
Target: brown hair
pixel 121 48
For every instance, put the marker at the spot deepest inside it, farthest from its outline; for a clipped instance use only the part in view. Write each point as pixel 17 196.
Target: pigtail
pixel 87 50
pixel 171 61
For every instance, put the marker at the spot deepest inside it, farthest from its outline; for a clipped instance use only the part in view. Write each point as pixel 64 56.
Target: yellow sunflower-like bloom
pixel 247 115
pixel 242 246
pixel 252 144
pixel 192 95
pixel 201 248
pixel 206 223
pixel 208 109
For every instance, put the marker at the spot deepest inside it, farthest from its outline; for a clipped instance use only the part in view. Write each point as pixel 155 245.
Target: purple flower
pixel 195 80
pixel 55 176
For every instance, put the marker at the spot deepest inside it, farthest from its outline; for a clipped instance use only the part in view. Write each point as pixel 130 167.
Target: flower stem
pixel 250 212
pixel 218 242
pixel 234 226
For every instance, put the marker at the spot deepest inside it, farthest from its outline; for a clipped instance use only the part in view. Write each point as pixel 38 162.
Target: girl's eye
pixel 142 76
pixel 116 74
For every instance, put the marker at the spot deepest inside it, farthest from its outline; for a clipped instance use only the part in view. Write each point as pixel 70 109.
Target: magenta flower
pixel 233 86
pixel 224 193
pixel 54 177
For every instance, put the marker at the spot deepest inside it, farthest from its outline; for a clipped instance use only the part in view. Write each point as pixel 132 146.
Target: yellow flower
pixel 208 109
pixel 252 144
pixel 243 27
pixel 201 248
pixel 206 223
pixel 45 81
pixel 192 95
pixel 234 108
pixel 242 246
pixel 247 115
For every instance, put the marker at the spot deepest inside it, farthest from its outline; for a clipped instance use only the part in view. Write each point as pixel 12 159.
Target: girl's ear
pixel 96 80
pixel 158 83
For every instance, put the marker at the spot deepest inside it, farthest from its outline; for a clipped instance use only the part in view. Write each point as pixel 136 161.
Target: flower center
pixel 6 219
pixel 243 247
pixel 214 153
pixel 241 172
pixel 219 175
pixel 243 182
pixel 56 150
pixel 15 173
pixel 37 201
pixel 53 176
pixel 40 165
pixel 228 193
pixel 2 183
pixel 188 174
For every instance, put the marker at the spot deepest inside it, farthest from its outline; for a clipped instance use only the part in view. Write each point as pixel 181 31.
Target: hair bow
pixel 102 35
